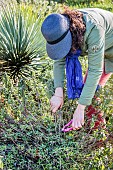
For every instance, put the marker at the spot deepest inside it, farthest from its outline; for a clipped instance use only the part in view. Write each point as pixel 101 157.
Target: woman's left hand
pixel 78 117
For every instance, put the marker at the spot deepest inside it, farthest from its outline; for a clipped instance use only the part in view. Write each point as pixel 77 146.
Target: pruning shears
pixel 66 128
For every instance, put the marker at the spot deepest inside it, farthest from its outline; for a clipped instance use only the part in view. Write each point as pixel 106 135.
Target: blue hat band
pixel 59 39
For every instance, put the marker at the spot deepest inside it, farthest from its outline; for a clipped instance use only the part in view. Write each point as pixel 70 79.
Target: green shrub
pixel 30 135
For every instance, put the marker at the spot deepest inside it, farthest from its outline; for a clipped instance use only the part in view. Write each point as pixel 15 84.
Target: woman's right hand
pixel 56 101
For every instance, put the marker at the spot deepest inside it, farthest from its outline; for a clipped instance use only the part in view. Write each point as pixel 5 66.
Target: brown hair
pixel 77 27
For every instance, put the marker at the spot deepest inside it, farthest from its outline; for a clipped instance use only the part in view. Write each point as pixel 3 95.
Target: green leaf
pixel 1 163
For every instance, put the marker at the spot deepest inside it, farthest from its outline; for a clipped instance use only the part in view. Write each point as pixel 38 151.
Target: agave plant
pixel 21 42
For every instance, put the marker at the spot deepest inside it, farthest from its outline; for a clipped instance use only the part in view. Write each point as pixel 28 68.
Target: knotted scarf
pixel 74 75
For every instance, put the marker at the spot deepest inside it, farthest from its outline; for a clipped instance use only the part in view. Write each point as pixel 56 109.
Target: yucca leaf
pixel 20 41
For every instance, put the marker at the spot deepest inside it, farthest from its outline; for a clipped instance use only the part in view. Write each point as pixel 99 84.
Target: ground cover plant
pixel 30 135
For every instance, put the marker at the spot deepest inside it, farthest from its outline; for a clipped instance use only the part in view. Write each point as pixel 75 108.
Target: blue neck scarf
pixel 74 75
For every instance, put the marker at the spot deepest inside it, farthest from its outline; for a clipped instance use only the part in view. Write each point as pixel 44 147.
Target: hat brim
pixel 61 49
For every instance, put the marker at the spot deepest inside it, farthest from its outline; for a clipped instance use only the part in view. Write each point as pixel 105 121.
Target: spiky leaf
pixel 20 41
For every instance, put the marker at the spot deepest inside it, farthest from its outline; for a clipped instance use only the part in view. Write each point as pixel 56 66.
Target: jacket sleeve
pixel 96 47
pixel 59 73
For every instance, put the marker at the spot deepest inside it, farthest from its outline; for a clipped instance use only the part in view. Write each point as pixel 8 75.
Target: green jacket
pixel 98 45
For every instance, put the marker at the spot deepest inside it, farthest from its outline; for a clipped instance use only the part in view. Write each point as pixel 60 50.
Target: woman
pixel 89 30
